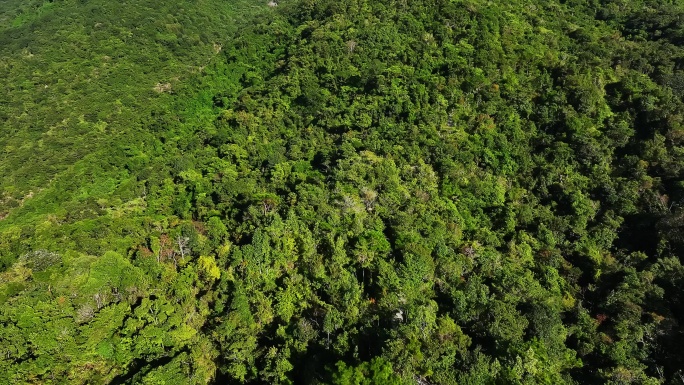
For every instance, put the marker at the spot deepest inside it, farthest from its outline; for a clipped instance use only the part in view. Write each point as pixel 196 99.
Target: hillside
pixel 82 76
pixel 346 192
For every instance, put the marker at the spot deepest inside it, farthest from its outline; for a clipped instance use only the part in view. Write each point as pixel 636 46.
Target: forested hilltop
pixel 342 192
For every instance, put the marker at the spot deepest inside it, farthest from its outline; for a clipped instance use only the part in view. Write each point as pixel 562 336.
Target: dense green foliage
pixel 342 191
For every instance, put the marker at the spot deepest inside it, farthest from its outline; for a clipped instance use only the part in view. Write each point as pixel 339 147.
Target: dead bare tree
pixel 99 300
pixel 182 244
pixel 268 204
pixel 351 45
pixel 369 196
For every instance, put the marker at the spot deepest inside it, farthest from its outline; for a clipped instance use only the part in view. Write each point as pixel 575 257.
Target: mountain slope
pixel 80 76
pixel 366 192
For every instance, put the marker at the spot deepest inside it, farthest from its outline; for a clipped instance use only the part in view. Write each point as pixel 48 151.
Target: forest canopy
pixel 342 192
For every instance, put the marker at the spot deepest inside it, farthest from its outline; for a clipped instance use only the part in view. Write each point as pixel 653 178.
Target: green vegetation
pixel 342 192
